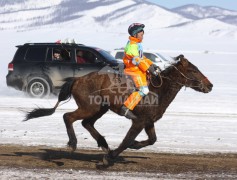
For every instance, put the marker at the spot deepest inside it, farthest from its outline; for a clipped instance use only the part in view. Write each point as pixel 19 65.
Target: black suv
pixel 41 68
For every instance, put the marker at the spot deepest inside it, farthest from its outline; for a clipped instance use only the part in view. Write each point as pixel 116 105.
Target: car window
pixel 162 57
pixel 60 54
pixel 106 55
pixel 150 56
pixel 36 54
pixel 85 57
pixel 119 55
pixel 20 54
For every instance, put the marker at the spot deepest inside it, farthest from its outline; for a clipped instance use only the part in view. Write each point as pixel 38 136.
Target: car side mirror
pixel 99 61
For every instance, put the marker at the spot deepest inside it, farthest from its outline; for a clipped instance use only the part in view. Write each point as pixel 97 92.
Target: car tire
pixel 38 88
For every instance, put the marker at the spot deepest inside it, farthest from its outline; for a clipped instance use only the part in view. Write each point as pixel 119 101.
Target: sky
pixel 227 4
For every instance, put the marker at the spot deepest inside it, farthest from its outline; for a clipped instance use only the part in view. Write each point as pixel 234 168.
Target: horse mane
pixel 167 71
pixel 173 65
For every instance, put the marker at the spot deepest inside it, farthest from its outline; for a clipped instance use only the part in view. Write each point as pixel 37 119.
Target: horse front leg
pixel 151 133
pixel 134 130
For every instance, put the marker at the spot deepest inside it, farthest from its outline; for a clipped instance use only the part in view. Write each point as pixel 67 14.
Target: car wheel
pixel 38 88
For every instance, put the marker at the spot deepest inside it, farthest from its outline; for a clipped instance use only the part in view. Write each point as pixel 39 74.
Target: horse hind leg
pixel 69 119
pixel 150 131
pixel 89 125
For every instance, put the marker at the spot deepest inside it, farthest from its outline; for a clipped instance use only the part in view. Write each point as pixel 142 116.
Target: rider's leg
pixel 131 102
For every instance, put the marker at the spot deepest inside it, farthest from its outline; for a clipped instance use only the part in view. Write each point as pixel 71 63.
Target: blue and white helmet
pixel 135 28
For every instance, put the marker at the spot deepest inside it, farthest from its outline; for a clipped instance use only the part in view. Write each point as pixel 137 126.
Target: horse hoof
pixel 72 146
pixel 106 160
pixel 106 150
pixel 111 154
pixel 73 149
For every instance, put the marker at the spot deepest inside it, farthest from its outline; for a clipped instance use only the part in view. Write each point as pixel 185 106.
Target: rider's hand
pixel 154 69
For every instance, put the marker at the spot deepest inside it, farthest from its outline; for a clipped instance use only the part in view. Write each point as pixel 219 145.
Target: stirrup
pixel 127 113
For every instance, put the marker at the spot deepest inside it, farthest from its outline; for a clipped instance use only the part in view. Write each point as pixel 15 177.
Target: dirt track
pixel 39 157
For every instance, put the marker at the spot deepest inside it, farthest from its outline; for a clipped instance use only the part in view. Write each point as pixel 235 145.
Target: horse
pixel 93 96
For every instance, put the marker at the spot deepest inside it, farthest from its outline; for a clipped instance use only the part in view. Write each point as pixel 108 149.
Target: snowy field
pixel 194 122
pixel 16 174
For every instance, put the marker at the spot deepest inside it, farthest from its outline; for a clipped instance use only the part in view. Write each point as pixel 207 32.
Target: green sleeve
pixel 132 50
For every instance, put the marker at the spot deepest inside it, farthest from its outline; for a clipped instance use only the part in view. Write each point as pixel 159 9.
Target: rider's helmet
pixel 135 28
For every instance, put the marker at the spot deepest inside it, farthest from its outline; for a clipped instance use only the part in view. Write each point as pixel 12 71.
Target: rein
pixel 161 81
pixel 186 79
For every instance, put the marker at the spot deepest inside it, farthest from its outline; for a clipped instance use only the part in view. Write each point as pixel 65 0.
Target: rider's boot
pixel 124 111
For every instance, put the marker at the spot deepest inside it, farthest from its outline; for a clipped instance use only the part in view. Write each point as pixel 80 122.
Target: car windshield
pixel 106 55
pixel 162 57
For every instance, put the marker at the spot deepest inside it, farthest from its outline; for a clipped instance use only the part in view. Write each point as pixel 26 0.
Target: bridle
pixel 186 79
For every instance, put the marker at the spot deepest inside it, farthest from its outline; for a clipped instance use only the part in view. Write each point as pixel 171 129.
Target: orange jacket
pixel 133 56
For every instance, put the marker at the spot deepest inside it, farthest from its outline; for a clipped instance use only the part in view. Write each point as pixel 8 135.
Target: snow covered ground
pixel 20 173
pixel 195 122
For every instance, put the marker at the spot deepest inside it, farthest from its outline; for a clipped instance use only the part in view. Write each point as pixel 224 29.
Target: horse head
pixel 191 76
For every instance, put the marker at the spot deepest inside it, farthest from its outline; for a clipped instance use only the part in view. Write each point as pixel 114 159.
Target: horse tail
pixel 65 93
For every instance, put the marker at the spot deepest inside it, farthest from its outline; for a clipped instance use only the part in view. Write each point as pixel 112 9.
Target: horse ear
pixel 179 57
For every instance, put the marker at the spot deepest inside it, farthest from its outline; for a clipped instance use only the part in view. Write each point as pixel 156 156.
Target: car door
pixel 86 61
pixel 61 68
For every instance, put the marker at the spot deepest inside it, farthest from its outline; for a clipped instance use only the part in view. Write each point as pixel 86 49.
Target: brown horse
pixel 97 92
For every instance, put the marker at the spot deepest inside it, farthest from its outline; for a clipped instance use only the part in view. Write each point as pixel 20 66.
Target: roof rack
pixel 53 44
